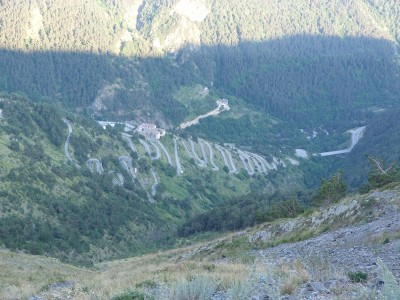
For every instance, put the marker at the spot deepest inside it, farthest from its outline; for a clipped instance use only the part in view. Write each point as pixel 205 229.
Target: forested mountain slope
pixel 71 189
pixel 381 140
pixel 311 62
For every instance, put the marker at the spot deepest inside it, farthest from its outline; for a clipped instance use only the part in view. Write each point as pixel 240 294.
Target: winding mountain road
pixel 66 145
pixel 158 151
pixel 234 169
pixel 257 164
pixel 246 162
pixel 154 186
pixel 224 157
pixel 118 179
pixel 94 161
pixel 179 170
pixel 146 147
pixel 127 138
pixel 126 163
pixel 262 162
pixel 203 152
pixel 164 150
pixel 211 151
pixel 356 135
pixel 186 148
pixel 200 162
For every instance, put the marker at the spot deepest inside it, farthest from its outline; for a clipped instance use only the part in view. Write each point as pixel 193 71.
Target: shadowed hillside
pixel 311 80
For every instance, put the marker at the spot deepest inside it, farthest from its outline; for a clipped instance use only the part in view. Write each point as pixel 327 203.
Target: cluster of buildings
pixel 148 130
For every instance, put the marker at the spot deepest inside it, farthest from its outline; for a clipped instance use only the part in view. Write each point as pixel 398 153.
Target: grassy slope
pixel 227 259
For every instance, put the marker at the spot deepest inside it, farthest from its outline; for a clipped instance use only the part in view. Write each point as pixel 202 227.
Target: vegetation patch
pixel 358 277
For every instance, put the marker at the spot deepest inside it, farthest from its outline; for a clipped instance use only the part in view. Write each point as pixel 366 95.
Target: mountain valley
pixel 236 149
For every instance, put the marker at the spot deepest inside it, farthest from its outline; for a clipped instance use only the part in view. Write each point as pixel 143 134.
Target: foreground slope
pixel 348 251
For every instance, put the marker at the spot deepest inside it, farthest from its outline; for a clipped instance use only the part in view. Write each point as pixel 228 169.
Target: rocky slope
pixel 347 251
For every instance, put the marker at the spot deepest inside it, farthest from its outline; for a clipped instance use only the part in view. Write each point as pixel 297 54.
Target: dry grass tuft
pixel 289 285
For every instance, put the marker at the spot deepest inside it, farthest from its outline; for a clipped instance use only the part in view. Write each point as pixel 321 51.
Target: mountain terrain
pixel 267 107
pixel 334 66
pixel 290 73
pixel 348 250
pixel 80 192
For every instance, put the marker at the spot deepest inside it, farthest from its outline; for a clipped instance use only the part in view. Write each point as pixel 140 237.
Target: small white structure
pixel 150 131
pixel 128 127
pixel 104 124
pixel 223 104
pixel 301 153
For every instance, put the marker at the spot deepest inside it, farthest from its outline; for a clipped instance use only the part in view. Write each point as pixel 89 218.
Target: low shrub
pixel 132 295
pixel 357 277
pixel 196 288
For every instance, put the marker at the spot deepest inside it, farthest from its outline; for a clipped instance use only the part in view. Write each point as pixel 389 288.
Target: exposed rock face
pixel 328 216
pixel 359 235
pixel 194 10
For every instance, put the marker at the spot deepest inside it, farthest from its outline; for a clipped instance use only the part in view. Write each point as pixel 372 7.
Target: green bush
pixel 330 191
pixel 356 277
pixel 132 295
